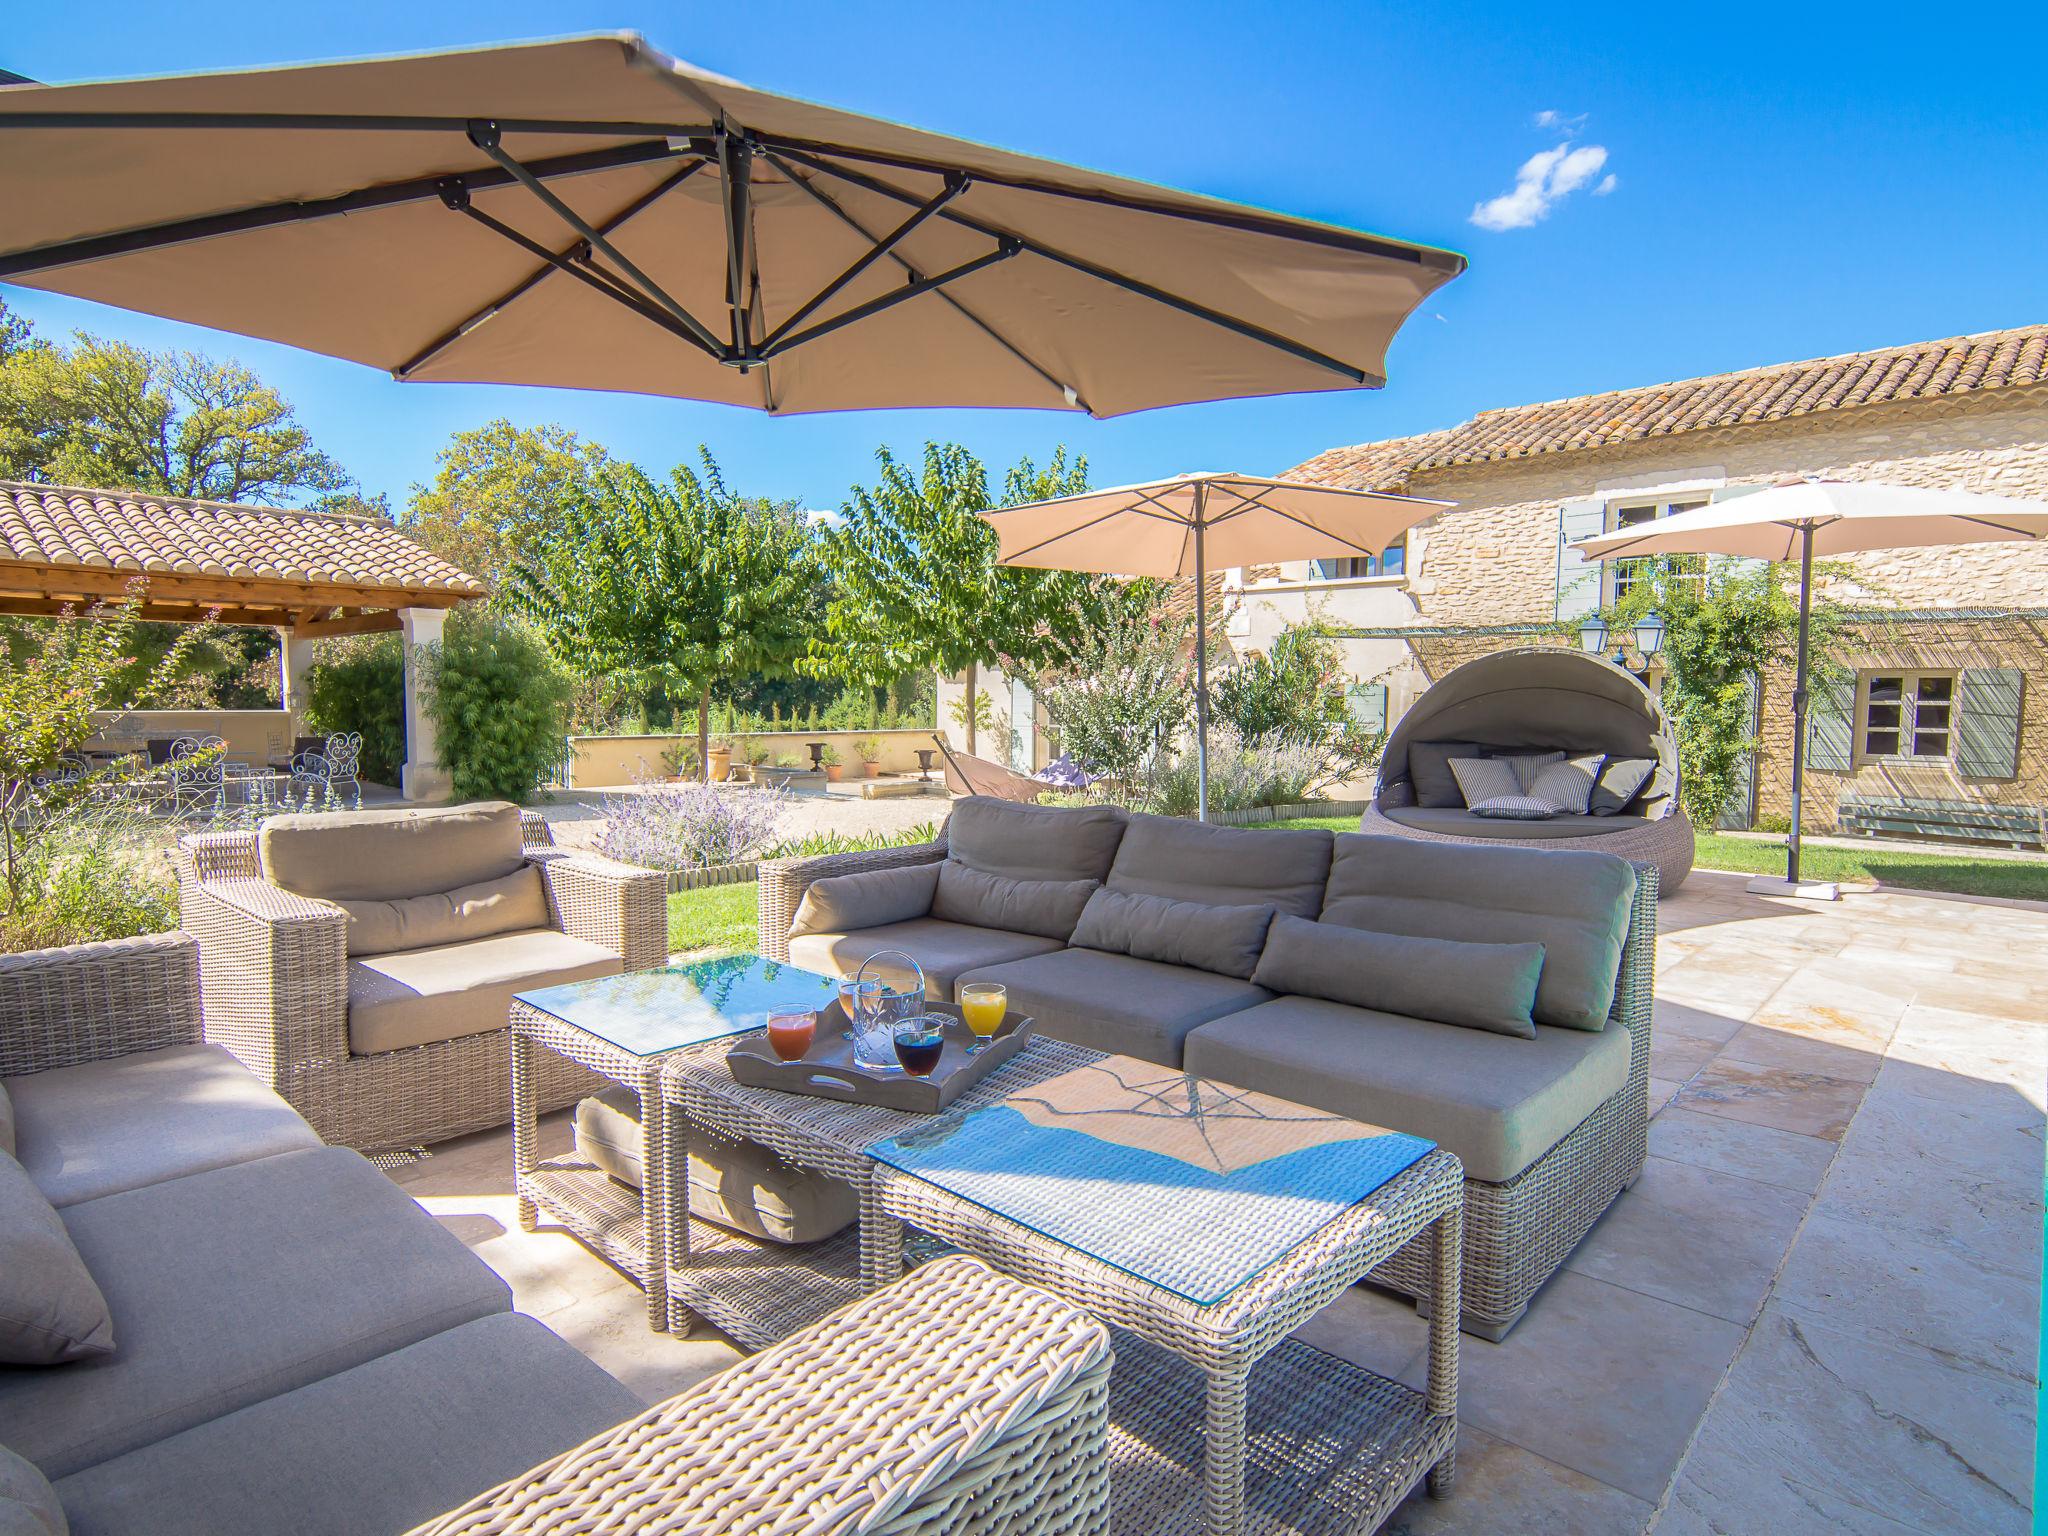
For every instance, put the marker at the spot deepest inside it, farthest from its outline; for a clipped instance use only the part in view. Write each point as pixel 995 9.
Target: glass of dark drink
pixel 919 1044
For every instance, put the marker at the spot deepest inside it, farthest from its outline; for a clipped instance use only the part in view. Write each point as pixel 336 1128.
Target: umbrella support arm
pixel 1201 660
pixel 908 291
pixel 1799 699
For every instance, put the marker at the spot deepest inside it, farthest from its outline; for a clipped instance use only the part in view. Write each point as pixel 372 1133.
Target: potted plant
pixel 828 759
pixel 870 750
pixel 678 761
pixel 719 755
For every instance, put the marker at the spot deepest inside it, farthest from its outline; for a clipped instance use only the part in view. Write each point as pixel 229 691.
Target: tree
pixel 915 584
pixel 497 491
pixel 15 332
pixel 675 585
pixel 108 413
pixel 1125 693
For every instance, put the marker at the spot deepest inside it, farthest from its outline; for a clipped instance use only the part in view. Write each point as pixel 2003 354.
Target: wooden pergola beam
pixel 373 623
pixel 77 583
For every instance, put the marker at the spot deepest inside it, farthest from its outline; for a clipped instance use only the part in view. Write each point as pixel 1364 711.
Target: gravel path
pixel 576 816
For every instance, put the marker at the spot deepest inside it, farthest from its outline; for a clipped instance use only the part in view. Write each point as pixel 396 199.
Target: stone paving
pixel 1816 1310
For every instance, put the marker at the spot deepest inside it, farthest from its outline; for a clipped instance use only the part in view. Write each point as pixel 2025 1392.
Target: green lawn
pixel 1964 873
pixel 719 917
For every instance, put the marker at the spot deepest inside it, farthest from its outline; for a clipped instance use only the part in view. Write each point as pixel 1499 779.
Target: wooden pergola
pixel 307 575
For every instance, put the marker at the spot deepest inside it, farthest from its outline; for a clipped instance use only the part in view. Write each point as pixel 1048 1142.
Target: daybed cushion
pixel 50 1309
pixel 1047 908
pixel 105 1126
pixel 1498 1104
pixel 28 1504
pixel 945 950
pixel 1567 785
pixel 382 1447
pixel 866 900
pixel 1034 842
pixel 419 996
pixel 1429 770
pixel 384 855
pixel 1575 904
pixel 1462 823
pixel 232 1286
pixel 504 905
pixel 1620 782
pixel 1478 986
pixel 1485 778
pixel 1226 940
pixel 737 1184
pixel 1223 866
pixel 1117 1004
pixel 1512 808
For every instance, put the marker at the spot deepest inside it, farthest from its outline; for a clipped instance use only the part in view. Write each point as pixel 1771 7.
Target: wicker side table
pixel 1337 1447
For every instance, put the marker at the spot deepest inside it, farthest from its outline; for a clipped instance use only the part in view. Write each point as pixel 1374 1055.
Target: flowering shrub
pixel 1242 774
pixel 678 827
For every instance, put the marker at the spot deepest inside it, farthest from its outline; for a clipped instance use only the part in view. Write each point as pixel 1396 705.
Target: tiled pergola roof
pixel 312 572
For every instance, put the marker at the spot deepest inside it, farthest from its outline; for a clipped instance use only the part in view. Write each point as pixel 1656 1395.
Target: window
pixel 1390 562
pixel 1633 515
pixel 1907 714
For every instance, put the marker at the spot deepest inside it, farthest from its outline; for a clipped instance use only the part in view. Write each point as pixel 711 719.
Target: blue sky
pixel 1787 181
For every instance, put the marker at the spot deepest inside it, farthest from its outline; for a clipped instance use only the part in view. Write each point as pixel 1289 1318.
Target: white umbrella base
pixel 1811 890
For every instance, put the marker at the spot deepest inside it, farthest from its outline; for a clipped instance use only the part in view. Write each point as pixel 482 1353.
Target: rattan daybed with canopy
pixel 1543 698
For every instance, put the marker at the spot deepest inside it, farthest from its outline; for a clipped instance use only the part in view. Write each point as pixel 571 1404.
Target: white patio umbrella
pixel 1183 526
pixel 1803 517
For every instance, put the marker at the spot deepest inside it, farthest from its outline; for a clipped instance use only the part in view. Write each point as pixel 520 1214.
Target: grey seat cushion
pixel 104 1126
pixel 385 855
pixel 1462 823
pixel 945 950
pixel 232 1286
pixel 1118 1004
pixel 736 1184
pixel 1223 866
pixel 419 996
pixel 50 1309
pixel 1576 904
pixel 1499 1104
pixel 1034 842
pixel 6 1120
pixel 379 1448
pixel 28 1504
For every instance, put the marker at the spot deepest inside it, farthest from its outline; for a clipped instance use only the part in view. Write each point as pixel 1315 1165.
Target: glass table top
pixel 1191 1185
pixel 645 1013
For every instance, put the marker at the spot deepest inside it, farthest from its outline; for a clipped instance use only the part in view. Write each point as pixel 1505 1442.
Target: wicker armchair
pixel 93 1002
pixel 275 980
pixel 954 1401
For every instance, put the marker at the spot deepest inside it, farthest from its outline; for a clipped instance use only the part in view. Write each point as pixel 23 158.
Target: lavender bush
pixel 679 827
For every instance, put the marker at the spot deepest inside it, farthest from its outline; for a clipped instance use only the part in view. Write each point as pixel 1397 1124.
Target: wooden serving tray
pixel 828 1071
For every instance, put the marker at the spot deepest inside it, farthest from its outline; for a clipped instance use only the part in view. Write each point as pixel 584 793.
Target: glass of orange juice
pixel 982 1005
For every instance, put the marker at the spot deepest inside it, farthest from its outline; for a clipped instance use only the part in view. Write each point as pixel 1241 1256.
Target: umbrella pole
pixel 1201 662
pixel 1799 702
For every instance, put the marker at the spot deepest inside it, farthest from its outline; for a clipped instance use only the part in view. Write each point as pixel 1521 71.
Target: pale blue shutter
pixel 1739 814
pixel 1366 703
pixel 1578 579
pixel 1988 727
pixel 1734 565
pixel 1831 726
pixel 1322 570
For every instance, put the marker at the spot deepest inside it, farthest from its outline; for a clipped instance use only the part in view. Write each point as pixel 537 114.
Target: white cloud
pixel 1544 179
pixel 1607 184
pixel 1550 118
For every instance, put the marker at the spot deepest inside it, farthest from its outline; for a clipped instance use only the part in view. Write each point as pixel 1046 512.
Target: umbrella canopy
pixel 1191 524
pixel 1200 522
pixel 593 214
pixel 1801 518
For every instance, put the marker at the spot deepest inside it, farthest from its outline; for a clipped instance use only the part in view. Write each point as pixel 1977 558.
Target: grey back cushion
pixel 1429 770
pixel 1620 781
pixel 1048 908
pixel 51 1309
pixel 1478 986
pixel 846 903
pixel 1034 842
pixel 1223 866
pixel 385 855
pixel 1226 940
pixel 513 903
pixel 28 1504
pixel 1576 905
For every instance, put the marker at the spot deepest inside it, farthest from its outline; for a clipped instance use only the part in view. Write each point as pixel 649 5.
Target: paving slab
pixel 1760 1152
pixel 1809 1103
pixel 1501 1487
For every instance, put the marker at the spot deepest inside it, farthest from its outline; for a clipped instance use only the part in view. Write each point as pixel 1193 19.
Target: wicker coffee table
pixel 623 1027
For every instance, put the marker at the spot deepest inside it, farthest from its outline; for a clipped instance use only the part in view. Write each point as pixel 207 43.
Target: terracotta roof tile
pixel 1923 370
pixel 172 536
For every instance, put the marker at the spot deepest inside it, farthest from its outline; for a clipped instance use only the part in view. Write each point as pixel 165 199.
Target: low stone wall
pixel 252 735
pixel 607 762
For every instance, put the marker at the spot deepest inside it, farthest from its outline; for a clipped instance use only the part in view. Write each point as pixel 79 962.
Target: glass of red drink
pixel 790 1034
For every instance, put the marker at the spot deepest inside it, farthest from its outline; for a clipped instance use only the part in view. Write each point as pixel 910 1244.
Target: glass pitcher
pixel 894 992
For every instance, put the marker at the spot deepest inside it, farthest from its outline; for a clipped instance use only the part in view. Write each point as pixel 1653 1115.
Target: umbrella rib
pixel 487 137
pixel 880 248
pixel 422 189
pixel 890 300
pixel 1347 543
pixel 831 204
pixel 527 284
pixel 1068 533
pixel 1103 274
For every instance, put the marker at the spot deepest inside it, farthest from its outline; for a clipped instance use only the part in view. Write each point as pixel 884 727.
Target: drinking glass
pixel 982 1006
pixel 790 1034
pixel 919 1044
pixel 855 1000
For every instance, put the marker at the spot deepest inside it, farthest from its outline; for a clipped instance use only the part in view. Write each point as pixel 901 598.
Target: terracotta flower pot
pixel 869 770
pixel 721 765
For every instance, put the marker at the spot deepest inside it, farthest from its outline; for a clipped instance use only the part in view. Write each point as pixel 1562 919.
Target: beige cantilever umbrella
pixel 1801 518
pixel 592 214
pixel 1186 526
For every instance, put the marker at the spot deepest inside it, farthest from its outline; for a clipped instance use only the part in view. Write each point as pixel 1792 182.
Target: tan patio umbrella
pixel 1185 526
pixel 1803 517
pixel 593 214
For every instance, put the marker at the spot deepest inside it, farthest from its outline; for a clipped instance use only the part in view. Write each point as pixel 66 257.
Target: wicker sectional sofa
pixel 281 1340
pixel 362 964
pixel 1493 998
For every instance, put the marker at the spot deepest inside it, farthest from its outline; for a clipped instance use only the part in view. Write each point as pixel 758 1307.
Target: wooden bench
pixel 2014 826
